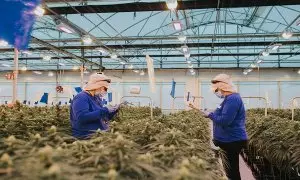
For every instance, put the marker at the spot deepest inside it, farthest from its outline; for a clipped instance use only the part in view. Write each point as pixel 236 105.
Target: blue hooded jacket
pixel 87 114
pixel 229 120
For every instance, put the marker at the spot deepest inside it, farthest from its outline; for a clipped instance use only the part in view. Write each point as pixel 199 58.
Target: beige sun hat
pixel 96 81
pixel 223 82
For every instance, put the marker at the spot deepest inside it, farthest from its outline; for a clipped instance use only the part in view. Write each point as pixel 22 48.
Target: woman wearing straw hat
pixel 87 113
pixel 229 132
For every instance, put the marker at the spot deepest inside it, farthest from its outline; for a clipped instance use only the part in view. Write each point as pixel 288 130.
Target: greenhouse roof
pixel 224 35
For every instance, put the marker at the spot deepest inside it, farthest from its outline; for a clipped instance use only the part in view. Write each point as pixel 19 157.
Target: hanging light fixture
pixel 5 65
pixel 299 71
pixel 276 46
pixel 249 70
pixel 24 68
pixel 113 56
pixel 177 25
pixel 136 71
pixel 188 61
pixel 245 72
pixel 259 61
pixel 185 48
pixel 61 64
pixel 47 57
pixel 27 52
pixel 130 66
pixel 87 39
pixel 181 37
pixel 142 73
pixel 287 34
pixel 187 55
pixel 50 74
pixel 3 43
pixel 172 4
pixel 253 65
pixel 75 68
pixel 39 11
pixel 190 65
pixel 64 28
pixel 265 53
pixel 102 51
pixel 37 72
pixel 122 62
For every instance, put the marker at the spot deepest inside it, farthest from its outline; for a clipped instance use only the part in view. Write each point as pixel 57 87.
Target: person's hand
pixel 205 113
pixel 191 105
pixel 114 108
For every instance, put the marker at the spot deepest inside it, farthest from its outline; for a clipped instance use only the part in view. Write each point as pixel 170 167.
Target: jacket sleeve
pixel 112 114
pixel 228 113
pixel 80 108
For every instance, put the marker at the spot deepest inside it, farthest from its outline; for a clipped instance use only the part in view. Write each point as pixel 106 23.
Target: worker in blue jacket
pixel 87 113
pixel 229 131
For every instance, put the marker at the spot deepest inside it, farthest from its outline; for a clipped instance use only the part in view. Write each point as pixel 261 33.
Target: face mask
pixel 219 94
pixel 100 93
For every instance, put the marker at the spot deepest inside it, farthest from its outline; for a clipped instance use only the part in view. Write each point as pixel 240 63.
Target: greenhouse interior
pixel 150 89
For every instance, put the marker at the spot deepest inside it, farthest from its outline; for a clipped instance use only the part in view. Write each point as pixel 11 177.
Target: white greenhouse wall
pixel 278 86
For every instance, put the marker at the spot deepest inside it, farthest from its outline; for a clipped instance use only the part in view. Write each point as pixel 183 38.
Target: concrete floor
pixel 246 173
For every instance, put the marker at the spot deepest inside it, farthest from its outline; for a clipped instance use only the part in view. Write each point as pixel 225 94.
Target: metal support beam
pixel 161 6
pixel 171 55
pixel 60 50
pixel 160 46
pixel 152 38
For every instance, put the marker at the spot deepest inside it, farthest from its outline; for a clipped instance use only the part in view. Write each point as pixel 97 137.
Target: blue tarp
pixel 17 19
pixel 44 98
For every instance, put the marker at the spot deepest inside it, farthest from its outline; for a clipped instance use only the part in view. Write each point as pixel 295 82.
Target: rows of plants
pixel 274 145
pixel 36 144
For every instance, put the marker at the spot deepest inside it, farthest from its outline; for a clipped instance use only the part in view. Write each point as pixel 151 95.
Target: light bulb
pixel 265 53
pixel 259 61
pixel 187 55
pixel 114 56
pixel 47 58
pixel 287 34
pixel 185 49
pixel 276 46
pixel 24 68
pixel 181 38
pixel 50 74
pixel 172 4
pixel 130 66
pixel 37 72
pixel 39 11
pixel 87 39
pixel 177 25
